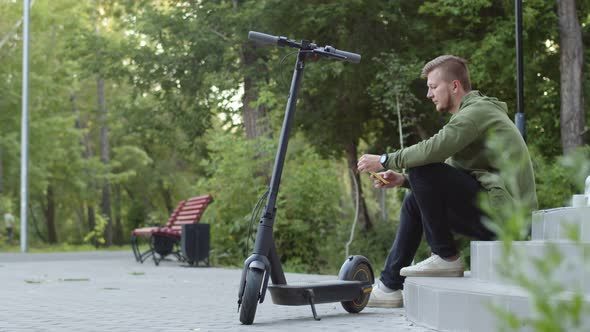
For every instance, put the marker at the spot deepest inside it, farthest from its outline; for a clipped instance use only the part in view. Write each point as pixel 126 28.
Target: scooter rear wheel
pixel 361 272
pixel 251 296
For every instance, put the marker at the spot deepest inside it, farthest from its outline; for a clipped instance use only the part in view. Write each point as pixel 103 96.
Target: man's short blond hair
pixel 453 68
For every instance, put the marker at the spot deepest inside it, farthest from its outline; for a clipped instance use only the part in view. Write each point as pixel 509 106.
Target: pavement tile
pixel 111 292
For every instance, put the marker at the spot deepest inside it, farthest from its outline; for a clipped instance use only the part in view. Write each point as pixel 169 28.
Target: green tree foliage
pixel 181 76
pixel 483 33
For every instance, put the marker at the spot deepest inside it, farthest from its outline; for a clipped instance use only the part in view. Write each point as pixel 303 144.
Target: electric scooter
pixel 355 279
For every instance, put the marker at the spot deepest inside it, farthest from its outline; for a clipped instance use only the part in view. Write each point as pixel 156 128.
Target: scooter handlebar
pixel 350 57
pixel 263 38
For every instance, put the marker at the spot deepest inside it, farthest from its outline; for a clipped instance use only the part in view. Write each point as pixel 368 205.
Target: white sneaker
pixel 385 299
pixel 435 266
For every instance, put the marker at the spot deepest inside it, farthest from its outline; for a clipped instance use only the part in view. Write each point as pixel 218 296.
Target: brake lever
pixel 321 51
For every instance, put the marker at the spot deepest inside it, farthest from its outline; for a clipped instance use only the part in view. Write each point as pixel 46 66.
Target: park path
pixel 109 291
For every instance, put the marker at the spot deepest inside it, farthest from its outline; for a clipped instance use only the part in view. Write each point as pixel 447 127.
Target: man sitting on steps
pixel 445 174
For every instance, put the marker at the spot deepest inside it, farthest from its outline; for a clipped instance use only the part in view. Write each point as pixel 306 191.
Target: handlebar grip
pixel 263 38
pixel 350 57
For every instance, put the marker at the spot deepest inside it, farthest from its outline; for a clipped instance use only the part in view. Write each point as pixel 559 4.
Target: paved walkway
pixel 109 291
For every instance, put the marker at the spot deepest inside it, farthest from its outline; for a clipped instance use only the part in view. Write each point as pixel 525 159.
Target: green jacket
pixel 481 140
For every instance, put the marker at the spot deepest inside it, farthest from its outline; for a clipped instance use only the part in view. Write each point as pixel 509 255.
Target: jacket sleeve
pixel 453 137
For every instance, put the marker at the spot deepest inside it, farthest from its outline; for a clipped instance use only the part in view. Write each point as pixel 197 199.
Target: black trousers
pixel 443 200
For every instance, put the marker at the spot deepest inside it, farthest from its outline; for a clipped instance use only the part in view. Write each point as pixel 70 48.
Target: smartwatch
pixel 383 160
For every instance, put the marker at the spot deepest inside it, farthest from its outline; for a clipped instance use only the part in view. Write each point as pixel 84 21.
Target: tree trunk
pixel 36 225
pixel 570 66
pixel 92 222
pixel 83 141
pixel 50 215
pixel 1 173
pixel 81 221
pixel 256 124
pixel 364 220
pixel 167 196
pixel 105 206
pixel 86 154
pixel 254 117
pixel 105 211
pixel 118 237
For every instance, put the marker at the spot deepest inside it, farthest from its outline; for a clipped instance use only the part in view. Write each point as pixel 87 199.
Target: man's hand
pixel 369 163
pixel 394 179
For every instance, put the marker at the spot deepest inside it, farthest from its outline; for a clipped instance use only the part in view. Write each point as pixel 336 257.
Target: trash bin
pixel 195 243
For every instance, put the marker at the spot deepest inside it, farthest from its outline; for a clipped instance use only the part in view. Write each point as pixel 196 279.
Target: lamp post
pixel 519 118
pixel 24 130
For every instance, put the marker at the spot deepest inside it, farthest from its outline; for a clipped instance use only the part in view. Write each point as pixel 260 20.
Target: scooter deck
pixel 304 293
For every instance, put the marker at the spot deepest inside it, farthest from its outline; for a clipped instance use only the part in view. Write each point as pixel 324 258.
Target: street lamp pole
pixel 24 130
pixel 519 118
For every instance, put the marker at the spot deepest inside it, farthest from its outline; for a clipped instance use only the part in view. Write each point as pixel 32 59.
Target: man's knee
pixel 425 170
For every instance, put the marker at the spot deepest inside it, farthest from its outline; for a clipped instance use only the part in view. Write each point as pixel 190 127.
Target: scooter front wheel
pixel 360 270
pixel 251 296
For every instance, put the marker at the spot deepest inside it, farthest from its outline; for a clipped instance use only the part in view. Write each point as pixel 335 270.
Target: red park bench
pixel 164 241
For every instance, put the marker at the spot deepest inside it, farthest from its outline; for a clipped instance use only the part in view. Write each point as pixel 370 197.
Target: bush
pixel 307 204
pixel 234 182
pixel 308 209
pixel 554 187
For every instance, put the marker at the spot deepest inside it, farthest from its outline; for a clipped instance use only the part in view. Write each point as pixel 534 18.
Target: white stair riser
pixel 572 274
pixel 444 310
pixel 464 310
pixel 554 224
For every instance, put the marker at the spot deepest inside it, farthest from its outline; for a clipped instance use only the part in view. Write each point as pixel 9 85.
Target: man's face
pixel 439 91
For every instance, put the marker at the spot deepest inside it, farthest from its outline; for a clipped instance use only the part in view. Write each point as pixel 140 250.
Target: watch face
pixel 383 159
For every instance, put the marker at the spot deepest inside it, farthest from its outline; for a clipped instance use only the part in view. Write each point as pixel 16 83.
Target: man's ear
pixel 456 86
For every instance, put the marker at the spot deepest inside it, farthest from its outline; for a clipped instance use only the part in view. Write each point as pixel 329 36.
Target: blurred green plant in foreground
pixel 552 306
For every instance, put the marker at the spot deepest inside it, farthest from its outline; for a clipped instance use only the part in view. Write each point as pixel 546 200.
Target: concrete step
pixel 463 304
pixel 572 272
pixel 559 223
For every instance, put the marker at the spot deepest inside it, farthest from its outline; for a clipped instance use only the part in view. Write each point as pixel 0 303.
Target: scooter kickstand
pixel 309 295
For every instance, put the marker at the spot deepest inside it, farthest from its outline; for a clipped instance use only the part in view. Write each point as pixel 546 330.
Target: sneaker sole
pixel 385 304
pixel 438 273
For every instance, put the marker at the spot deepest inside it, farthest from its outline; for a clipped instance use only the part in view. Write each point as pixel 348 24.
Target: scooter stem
pixel 264 237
